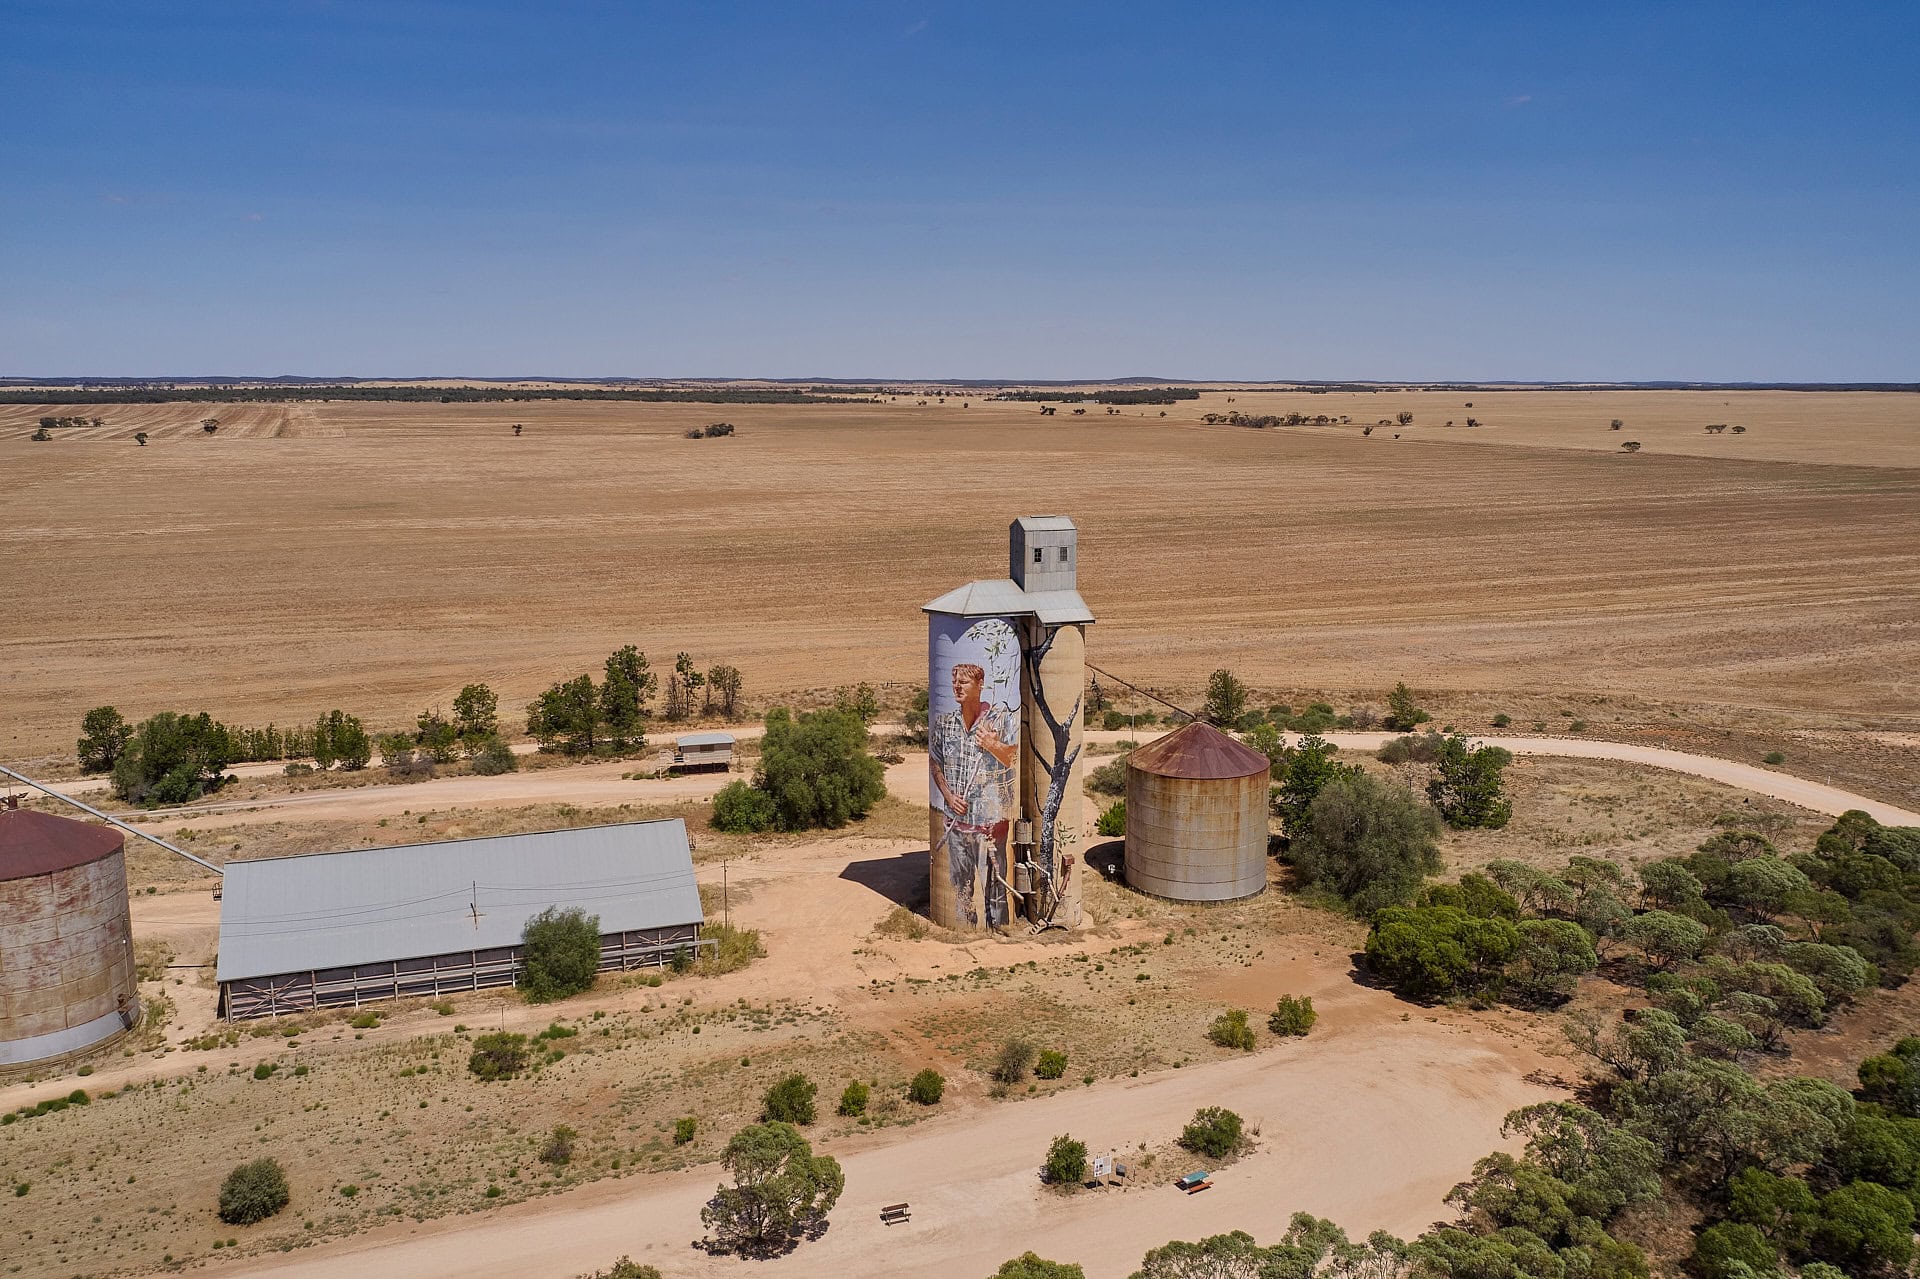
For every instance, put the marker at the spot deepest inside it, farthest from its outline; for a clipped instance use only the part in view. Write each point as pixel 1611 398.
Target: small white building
pixel 703 752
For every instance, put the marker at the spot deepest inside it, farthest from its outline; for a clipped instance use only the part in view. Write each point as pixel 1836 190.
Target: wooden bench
pixel 896 1212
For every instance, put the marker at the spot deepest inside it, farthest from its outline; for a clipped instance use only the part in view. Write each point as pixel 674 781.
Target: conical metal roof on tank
pixel 1198 750
pixel 33 843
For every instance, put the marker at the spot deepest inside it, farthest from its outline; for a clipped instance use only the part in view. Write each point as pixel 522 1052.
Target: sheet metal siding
pixel 1196 839
pixel 67 977
pixel 377 905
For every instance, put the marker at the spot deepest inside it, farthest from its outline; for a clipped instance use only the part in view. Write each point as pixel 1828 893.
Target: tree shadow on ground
pixel 901 879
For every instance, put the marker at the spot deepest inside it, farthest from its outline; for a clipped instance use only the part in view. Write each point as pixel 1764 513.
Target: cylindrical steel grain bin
pixel 1197 817
pixel 67 979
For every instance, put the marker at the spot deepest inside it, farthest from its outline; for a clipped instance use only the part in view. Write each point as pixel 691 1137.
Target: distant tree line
pixel 173 758
pixel 57 423
pixel 419 394
pixel 1155 395
pixel 1264 421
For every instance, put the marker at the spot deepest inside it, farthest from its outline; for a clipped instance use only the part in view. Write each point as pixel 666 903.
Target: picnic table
pixel 1194 1182
pixel 895 1213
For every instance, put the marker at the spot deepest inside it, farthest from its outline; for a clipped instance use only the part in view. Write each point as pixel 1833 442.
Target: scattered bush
pixel 1502 720
pixel 558 1149
pixel 1109 778
pixel 1113 821
pixel 264 1070
pixel 492 757
pixel 625 1268
pixel 781 1189
pixel 742 809
pixel 1031 1265
pixel 817 770
pixel 927 1087
pixel 684 1129
pixel 1403 712
pixel 1066 1161
pixel 1214 1132
pixel 1294 1015
pixel 1774 757
pixel 559 953
pixel 1015 1060
pixel 853 1101
pixel 1468 788
pixel 253 1192
pixel 1366 842
pixel 1230 1030
pixel 1051 1065
pixel 790 1101
pixel 500 1055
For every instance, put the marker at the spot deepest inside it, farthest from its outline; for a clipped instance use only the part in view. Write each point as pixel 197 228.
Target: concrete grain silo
pixel 1197 817
pixel 67 979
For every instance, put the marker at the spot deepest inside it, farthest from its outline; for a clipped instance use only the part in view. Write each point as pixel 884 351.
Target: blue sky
pixel 1402 191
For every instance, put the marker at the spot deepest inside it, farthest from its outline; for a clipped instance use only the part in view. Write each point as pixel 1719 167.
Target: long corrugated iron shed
pixel 373 905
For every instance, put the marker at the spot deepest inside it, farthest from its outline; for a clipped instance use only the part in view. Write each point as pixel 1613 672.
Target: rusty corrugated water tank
pixel 67 978
pixel 1197 817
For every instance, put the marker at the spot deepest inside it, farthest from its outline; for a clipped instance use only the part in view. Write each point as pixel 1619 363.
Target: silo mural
pixel 973 765
pixel 1006 664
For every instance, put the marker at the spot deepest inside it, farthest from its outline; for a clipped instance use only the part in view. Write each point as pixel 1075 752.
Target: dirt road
pixel 1419 1103
pixel 603 784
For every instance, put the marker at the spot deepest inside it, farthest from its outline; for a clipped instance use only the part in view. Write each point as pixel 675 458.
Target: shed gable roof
pixel 377 905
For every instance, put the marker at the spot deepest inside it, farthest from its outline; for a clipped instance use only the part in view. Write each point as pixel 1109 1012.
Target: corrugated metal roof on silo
pixel 1198 750
pixel 34 843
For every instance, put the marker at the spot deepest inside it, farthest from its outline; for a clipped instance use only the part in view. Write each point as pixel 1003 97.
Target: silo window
pixel 1063 555
pixel 1036 555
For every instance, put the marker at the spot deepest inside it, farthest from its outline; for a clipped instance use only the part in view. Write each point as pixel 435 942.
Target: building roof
pixel 376 905
pixel 704 739
pixel 1200 751
pixel 1003 597
pixel 1045 523
pixel 34 843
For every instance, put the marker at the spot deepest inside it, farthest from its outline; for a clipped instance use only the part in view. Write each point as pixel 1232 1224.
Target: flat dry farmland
pixel 1847 427
pixel 269 577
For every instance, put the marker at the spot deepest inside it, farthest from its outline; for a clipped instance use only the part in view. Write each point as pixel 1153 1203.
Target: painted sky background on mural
pixel 1250 190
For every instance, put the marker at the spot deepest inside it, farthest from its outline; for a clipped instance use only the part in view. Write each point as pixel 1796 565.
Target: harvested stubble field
pixel 378 556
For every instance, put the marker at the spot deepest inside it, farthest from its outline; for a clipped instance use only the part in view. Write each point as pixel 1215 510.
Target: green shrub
pixel 1214 1132
pixel 790 1101
pixel 742 809
pixel 1733 1250
pixel 817 770
pixel 1366 842
pixel 1113 822
pixel 253 1192
pixel 559 954
pixel 1230 1030
pixel 1051 1065
pixel 1015 1060
pixel 493 757
pixel 683 1130
pixel 927 1087
pixel 1109 778
pixel 1066 1161
pixel 365 1021
pixel 1773 757
pixel 264 1070
pixel 1293 1015
pixel 1502 720
pixel 559 1146
pixel 853 1100
pixel 625 1268
pixel 1031 1265
pixel 500 1055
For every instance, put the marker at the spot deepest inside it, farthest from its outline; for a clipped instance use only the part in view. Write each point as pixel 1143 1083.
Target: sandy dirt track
pixel 972 1180
pixel 602 784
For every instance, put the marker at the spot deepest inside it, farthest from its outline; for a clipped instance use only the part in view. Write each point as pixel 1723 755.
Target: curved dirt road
pixel 1813 796
pixel 1418 1102
pixel 602 783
